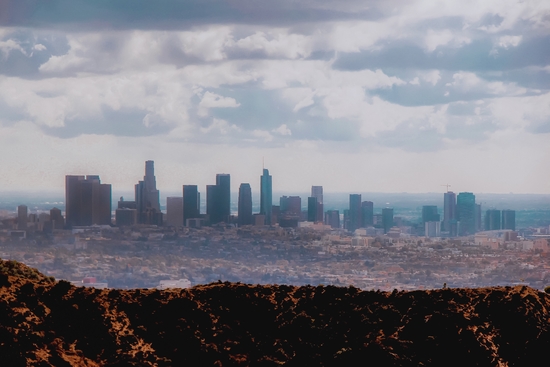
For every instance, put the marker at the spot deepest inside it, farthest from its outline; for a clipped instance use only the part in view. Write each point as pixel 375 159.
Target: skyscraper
pixel 191 204
pixel 509 219
pixel 492 220
pixel 223 181
pixel 213 204
pixel 245 205
pixel 332 218
pixel 355 217
pixel 312 209
pixel 174 211
pixel 317 193
pixel 449 210
pixel 367 213
pixel 22 217
pixel 430 214
pixel 148 197
pixel 58 222
pixel 266 196
pixel 465 213
pixel 87 201
pixel 387 219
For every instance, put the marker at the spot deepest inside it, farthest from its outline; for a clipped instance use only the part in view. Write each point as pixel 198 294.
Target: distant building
pixel 432 229
pixel 212 204
pixel 245 205
pixel 87 201
pixel 509 219
pixel 174 211
pixel 387 219
pixel 223 181
pixel 58 222
pixel 355 217
pixel 291 206
pixel 148 197
pixel 312 209
pixel 125 217
pixel 449 210
pixel 332 218
pixel 367 213
pixel 465 213
pixel 317 193
pixel 191 202
pixel 430 214
pixel 266 196
pixel 479 222
pixel 492 220
pixel 22 217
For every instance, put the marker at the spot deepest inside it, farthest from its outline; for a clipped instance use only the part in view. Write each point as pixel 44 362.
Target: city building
pixel 58 222
pixel 355 217
pixel 191 203
pixel 291 206
pixel 479 223
pixel 223 181
pixel 387 219
pixel 22 217
pixel 266 196
pixel 509 219
pixel 432 229
pixel 148 197
pixel 312 204
pixel 465 213
pixel 332 218
pixel 449 210
pixel 87 201
pixel 492 220
pixel 174 211
pixel 367 213
pixel 245 205
pixel 125 217
pixel 212 204
pixel 430 214
pixel 317 193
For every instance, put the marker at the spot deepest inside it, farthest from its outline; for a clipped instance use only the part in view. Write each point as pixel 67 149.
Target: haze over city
pixel 357 96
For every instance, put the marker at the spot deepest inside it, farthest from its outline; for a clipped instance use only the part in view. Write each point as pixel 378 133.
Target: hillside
pixel 48 323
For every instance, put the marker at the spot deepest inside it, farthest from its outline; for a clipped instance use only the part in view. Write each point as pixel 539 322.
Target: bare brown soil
pixel 48 323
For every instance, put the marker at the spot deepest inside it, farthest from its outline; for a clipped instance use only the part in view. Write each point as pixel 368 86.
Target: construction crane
pixel 447 185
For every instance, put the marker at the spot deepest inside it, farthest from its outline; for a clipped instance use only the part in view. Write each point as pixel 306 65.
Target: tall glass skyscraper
pixel 449 210
pixel 266 196
pixel 466 213
pixel 245 205
pixel 355 213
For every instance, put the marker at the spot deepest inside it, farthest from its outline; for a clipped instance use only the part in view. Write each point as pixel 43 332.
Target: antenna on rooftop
pixel 447 185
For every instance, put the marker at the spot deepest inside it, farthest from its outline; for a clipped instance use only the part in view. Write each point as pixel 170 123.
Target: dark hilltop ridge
pixel 48 323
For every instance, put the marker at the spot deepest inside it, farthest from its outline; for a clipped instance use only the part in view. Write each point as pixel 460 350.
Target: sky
pixel 356 96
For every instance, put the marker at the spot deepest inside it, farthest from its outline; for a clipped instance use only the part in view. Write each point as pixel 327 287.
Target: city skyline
pixel 375 96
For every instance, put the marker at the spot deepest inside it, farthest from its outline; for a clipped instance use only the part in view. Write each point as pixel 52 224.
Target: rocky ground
pixel 49 323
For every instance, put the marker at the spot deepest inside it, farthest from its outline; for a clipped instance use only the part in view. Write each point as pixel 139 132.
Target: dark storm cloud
pixel 174 14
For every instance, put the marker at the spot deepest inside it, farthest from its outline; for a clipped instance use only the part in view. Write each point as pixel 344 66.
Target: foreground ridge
pixel 48 323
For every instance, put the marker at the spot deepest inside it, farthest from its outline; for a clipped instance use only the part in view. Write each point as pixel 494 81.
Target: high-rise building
pixel 148 197
pixel 87 201
pixel 22 217
pixel 191 203
pixel 479 223
pixel 332 218
pixel 355 217
pixel 465 213
pixel 245 205
pixel 291 206
pixel 509 219
pixel 58 222
pixel 449 210
pixel 317 193
pixel 367 213
pixel 387 219
pixel 213 204
pixel 266 196
pixel 312 209
pixel 174 211
pixel 430 214
pixel 223 181
pixel 492 220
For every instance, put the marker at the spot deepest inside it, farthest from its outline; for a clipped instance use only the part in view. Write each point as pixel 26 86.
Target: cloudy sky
pixel 357 96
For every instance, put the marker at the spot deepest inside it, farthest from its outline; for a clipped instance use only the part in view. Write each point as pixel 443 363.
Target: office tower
pixel 449 210
pixel 312 209
pixel 479 223
pixel 430 214
pixel 492 220
pixel 223 181
pixel 266 196
pixel 58 222
pixel 22 217
pixel 465 213
pixel 275 214
pixel 245 205
pixel 332 218
pixel 346 219
pixel 293 205
pixel 387 219
pixel 432 229
pixel 509 219
pixel 191 203
pixel 317 193
pixel 355 217
pixel 367 213
pixel 212 204
pixel 125 217
pixel 87 201
pixel 174 211
pixel 148 197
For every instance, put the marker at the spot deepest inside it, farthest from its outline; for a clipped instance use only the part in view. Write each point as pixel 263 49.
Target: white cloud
pixel 10 45
pixel 220 126
pixel 213 100
pixel 262 135
pixel 434 39
pixel 509 41
pixel 277 44
pixel 282 130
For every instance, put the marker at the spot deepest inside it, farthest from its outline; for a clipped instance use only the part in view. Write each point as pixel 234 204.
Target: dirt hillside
pixel 48 323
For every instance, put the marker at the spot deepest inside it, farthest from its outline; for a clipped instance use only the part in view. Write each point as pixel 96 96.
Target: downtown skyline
pixel 375 96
